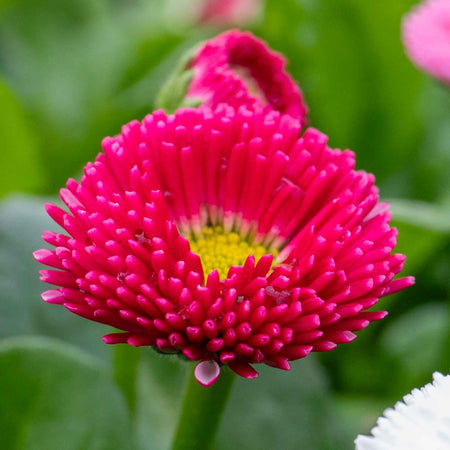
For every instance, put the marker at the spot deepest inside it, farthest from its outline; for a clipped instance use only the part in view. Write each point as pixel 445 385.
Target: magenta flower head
pixel 223 236
pixel 426 37
pixel 238 69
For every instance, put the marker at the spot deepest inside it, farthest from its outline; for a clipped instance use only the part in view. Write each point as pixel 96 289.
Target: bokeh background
pixel 72 72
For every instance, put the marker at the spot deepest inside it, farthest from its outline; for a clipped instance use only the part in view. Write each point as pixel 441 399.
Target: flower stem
pixel 445 363
pixel 201 412
pixel 126 360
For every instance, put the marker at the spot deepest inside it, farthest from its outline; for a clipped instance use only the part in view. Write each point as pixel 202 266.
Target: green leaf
pixel 417 339
pixel 431 180
pixel 160 388
pixel 55 397
pixel 423 228
pixel 148 54
pixel 360 414
pixel 125 365
pixel 4 4
pixel 19 160
pixel 422 215
pixel 22 221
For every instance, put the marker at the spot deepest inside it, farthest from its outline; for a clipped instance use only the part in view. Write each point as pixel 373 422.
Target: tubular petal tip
pixel 207 373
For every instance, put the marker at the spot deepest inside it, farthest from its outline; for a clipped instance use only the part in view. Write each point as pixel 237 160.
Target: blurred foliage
pixel 73 71
pixel 38 411
pixel 20 163
pixel 22 221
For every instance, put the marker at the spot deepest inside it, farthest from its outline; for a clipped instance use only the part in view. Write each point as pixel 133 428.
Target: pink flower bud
pixel 237 69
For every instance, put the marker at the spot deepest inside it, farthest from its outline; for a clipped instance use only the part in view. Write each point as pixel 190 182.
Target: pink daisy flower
pixel 229 12
pixel 426 37
pixel 225 237
pixel 238 69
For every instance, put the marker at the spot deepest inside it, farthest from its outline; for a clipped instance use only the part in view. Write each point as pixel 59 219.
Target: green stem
pixel 446 353
pixel 201 412
pixel 126 360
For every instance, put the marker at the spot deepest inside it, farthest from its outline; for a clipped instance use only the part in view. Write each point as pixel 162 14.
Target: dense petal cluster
pixel 421 422
pixel 238 69
pixel 426 37
pixel 223 182
pixel 229 12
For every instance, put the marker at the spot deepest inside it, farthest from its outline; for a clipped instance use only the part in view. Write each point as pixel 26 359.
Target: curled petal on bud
pixel 223 236
pixel 238 69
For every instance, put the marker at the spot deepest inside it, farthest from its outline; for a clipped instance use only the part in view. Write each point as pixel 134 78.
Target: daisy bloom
pixel 426 37
pixel 223 236
pixel 421 421
pixel 238 69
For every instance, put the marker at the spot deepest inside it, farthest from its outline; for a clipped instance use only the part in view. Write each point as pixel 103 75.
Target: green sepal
pixel 173 92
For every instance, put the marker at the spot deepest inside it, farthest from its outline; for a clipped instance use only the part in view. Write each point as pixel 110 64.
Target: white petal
pixel 420 422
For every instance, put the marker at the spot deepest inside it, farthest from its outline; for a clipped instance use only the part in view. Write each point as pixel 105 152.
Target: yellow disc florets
pixel 220 250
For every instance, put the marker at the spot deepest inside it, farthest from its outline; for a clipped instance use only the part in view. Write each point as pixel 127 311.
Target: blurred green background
pixel 72 72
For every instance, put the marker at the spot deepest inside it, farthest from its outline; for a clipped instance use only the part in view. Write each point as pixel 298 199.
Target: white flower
pixel 422 422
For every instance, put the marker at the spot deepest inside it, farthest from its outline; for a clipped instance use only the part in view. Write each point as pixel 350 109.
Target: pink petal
pixel 207 372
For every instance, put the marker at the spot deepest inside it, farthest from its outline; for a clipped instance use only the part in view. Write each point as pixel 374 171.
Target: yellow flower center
pixel 220 250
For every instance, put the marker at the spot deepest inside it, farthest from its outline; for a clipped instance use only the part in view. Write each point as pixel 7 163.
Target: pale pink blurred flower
pixel 229 12
pixel 426 37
